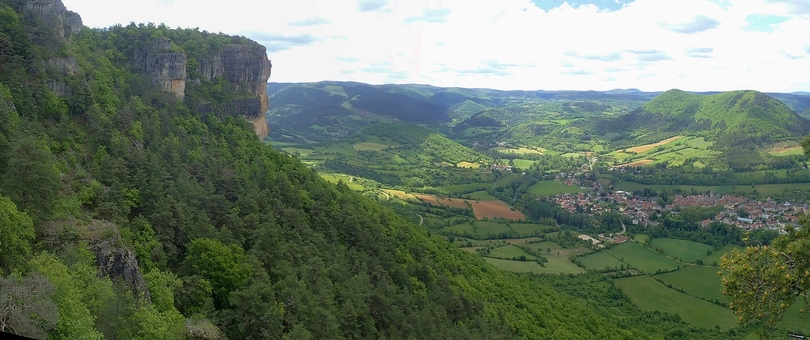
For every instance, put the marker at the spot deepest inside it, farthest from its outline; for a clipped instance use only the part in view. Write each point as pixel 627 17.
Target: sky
pixel 652 45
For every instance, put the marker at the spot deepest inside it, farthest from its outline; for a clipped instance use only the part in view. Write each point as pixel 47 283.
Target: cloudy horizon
pixel 652 45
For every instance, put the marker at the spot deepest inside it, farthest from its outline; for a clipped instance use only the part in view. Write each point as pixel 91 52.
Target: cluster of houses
pixel 739 211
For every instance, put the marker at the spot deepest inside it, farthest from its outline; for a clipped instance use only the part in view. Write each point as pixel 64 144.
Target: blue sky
pixel 653 45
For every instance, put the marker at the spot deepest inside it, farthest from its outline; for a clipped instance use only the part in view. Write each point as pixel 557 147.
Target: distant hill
pixel 754 114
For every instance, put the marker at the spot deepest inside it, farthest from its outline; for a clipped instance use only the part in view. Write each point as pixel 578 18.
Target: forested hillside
pixel 128 211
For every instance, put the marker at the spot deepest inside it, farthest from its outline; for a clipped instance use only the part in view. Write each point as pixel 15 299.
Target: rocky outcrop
pixel 65 66
pixel 64 24
pixel 247 69
pixel 166 66
pixel 104 240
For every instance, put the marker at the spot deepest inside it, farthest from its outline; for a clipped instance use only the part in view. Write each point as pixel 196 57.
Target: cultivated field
pixel 510 252
pixel 714 258
pixel 400 194
pixel 643 259
pixel 600 261
pixel 649 294
pixel 516 266
pixel 642 162
pixel 370 146
pixel 683 250
pixel 493 209
pixel 642 238
pixel 642 148
pixel 519 151
pixel 699 281
pixel 450 202
pixel 479 229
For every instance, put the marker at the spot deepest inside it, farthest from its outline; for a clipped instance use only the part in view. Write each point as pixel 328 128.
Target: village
pixel 739 211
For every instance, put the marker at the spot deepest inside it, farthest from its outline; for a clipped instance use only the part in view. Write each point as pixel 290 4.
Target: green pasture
pixel 510 252
pixel 302 152
pixel 642 238
pixel 791 321
pixel 481 195
pixel 519 151
pixel 341 148
pixel 699 143
pixel 516 266
pixel 643 259
pixel 600 261
pixel 528 229
pixel 715 256
pixel 369 146
pixel 797 150
pixel 507 179
pixel 553 188
pixel 650 295
pixel 481 229
pixel 542 246
pixel 465 187
pixel 699 281
pixel 559 264
pixel 334 178
pixel 523 164
pixel 687 251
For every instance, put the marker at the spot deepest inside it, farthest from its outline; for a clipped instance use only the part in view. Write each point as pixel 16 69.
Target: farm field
pixel 527 229
pixel 370 146
pixel 493 209
pixel 399 194
pixel 553 188
pixel 465 187
pixel 649 294
pixel 523 164
pixel 600 261
pixel 643 259
pixel 686 251
pixel 559 264
pixel 642 238
pixel 479 229
pixel 334 178
pixel 516 266
pixel 543 245
pixel 519 151
pixel 510 252
pixel 643 148
pixel 715 257
pixel 450 202
pixel 481 195
pixel 698 281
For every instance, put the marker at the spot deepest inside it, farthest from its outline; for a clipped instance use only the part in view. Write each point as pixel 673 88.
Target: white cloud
pixel 509 44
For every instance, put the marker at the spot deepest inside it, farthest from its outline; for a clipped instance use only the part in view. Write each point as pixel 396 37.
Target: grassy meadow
pixel 687 251
pixel 651 295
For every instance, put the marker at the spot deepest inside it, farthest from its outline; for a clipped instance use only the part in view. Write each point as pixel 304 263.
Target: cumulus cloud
pixel 651 55
pixel 797 7
pixel 309 22
pixel 699 52
pixel 431 15
pixel 612 56
pixel 370 5
pixel 279 42
pixel 698 24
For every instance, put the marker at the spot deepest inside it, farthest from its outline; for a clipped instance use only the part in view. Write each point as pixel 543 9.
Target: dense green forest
pixel 128 212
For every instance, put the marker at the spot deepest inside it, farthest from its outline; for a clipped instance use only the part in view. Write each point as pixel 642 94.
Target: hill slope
pixel 729 118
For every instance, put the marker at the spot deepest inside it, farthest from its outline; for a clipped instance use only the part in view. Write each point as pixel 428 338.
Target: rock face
pixel 164 65
pixel 65 24
pixel 247 69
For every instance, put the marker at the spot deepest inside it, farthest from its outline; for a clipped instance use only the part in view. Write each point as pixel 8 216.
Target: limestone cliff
pixel 165 65
pixel 247 69
pixel 63 24
pixel 244 67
